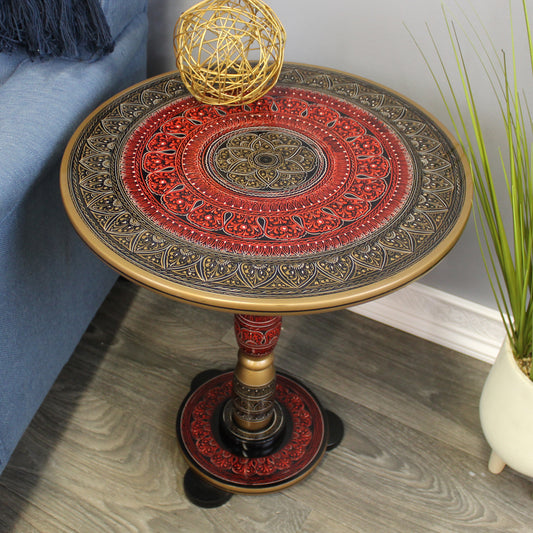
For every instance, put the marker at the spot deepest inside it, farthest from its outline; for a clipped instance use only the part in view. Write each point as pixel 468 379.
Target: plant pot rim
pixel 516 368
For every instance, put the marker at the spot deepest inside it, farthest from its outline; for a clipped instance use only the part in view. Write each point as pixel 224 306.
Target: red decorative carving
pixel 294 172
pixel 257 335
pixel 302 449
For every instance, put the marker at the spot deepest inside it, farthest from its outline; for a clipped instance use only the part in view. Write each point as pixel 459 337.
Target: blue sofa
pixel 51 285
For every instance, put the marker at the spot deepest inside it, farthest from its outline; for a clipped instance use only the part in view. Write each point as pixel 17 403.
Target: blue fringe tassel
pixel 55 28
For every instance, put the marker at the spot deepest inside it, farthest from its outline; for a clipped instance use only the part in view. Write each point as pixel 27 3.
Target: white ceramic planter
pixel 506 412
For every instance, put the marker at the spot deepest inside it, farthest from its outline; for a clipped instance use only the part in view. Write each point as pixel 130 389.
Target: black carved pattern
pixel 252 403
pixel 265 162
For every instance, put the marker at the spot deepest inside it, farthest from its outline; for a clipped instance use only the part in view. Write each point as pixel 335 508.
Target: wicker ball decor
pixel 229 52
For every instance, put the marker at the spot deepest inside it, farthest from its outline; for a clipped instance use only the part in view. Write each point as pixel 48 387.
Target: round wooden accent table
pixel 329 191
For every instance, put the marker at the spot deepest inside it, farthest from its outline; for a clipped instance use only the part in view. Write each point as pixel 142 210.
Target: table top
pixel 329 191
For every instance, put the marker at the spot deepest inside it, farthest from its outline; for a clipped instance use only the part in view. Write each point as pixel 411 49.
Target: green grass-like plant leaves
pixel 506 245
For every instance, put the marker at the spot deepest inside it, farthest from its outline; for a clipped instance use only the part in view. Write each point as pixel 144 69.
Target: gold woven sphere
pixel 229 52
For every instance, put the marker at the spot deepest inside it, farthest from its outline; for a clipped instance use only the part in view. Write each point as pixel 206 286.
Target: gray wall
pixel 370 39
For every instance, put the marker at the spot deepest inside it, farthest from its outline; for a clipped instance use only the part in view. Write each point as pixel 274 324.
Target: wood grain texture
pixel 101 453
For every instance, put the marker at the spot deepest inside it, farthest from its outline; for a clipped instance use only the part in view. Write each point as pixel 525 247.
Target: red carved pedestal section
pixel 257 335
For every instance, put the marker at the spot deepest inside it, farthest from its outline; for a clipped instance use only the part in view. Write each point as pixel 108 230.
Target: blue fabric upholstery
pixel 55 28
pixel 51 285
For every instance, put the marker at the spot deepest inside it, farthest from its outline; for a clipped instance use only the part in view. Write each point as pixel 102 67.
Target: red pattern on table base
pixel 251 430
pixel 300 449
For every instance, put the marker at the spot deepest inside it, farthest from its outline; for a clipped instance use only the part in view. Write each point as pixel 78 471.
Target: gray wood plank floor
pixel 101 454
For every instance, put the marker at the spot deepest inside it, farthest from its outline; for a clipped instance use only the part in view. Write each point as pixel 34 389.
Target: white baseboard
pixel 440 317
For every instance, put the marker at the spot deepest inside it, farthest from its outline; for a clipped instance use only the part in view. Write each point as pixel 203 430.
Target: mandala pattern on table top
pixel 295 172
pixel 326 184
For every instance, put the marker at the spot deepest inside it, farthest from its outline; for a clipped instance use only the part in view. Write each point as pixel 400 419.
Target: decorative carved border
pixel 412 243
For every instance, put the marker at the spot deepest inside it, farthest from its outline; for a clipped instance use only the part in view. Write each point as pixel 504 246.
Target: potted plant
pixel 506 241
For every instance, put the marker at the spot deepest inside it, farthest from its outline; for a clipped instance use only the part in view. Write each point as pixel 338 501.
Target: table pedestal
pixel 251 430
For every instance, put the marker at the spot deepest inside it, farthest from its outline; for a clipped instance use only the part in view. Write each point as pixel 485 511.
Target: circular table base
pixel 297 451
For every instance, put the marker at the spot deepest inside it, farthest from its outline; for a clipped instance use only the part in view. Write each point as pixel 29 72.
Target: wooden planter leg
pixel 496 463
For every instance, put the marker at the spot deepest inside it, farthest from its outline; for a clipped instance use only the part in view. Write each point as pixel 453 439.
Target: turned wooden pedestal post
pixel 253 419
